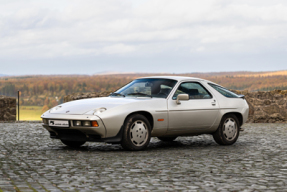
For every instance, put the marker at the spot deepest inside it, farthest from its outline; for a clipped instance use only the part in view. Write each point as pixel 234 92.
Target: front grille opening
pixel 94 137
pixel 70 134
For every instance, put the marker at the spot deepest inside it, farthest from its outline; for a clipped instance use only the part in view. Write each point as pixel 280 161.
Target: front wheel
pixel 228 130
pixel 73 144
pixel 136 134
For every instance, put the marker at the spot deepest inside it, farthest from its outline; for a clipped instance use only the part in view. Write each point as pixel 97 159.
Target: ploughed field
pixel 31 161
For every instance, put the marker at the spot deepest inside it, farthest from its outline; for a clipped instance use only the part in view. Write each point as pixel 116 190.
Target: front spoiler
pixel 77 135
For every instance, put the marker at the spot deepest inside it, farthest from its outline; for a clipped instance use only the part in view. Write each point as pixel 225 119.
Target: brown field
pixel 39 93
pixel 264 74
pixel 50 90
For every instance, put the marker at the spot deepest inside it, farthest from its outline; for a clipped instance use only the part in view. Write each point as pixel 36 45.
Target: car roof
pixel 178 78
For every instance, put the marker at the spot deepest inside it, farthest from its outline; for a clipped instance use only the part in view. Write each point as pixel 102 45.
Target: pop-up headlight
pixel 99 110
pixel 55 108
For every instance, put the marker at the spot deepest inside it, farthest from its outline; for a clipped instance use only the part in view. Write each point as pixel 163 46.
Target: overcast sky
pixel 176 36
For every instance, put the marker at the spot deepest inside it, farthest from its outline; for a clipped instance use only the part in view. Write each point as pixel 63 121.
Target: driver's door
pixel 199 112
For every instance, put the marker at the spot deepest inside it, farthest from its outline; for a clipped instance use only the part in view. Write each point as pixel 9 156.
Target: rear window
pixel 223 91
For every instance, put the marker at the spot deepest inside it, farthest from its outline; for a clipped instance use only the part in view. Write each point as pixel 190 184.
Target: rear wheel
pixel 136 134
pixel 228 130
pixel 73 143
pixel 167 139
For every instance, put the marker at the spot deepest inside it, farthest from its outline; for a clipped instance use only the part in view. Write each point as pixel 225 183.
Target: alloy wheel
pixel 230 129
pixel 138 133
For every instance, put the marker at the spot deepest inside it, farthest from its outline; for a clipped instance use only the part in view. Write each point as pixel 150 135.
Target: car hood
pixel 85 106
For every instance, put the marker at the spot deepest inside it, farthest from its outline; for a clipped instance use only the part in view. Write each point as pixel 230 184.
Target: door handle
pixel 213 103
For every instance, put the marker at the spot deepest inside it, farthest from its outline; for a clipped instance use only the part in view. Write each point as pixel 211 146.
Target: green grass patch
pixel 30 113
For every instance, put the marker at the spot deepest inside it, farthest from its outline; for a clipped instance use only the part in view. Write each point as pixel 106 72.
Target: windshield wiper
pixel 116 94
pixel 143 94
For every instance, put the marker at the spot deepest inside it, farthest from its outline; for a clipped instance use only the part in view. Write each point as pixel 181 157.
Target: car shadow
pixel 155 145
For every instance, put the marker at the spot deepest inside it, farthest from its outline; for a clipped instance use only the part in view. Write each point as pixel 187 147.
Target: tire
pixel 73 144
pixel 167 139
pixel 137 133
pixel 228 130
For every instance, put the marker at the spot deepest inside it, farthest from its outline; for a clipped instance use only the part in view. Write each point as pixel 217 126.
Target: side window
pixel 194 90
pixel 223 91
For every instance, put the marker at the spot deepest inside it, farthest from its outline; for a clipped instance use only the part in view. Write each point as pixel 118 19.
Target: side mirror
pixel 183 97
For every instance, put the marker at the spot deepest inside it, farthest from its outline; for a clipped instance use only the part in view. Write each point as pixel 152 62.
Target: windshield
pixel 159 88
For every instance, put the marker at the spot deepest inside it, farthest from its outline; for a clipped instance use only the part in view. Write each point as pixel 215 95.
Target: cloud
pixel 118 49
pixel 93 28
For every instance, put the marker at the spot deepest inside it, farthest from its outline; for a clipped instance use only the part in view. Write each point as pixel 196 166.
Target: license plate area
pixel 58 123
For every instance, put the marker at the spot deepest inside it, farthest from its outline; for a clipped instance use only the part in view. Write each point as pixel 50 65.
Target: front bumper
pixel 75 133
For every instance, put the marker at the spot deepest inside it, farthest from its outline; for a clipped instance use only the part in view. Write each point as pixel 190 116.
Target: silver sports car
pixel 163 106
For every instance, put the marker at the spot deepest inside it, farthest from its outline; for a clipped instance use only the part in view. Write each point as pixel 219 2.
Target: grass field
pixel 30 113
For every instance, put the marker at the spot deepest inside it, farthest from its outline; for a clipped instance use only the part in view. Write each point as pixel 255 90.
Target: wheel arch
pixel 144 113
pixel 237 114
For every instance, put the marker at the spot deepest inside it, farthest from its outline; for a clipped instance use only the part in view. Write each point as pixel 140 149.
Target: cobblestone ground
pixel 31 161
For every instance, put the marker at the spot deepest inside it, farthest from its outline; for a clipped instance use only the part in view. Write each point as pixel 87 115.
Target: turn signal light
pixel 95 124
pixel 160 120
